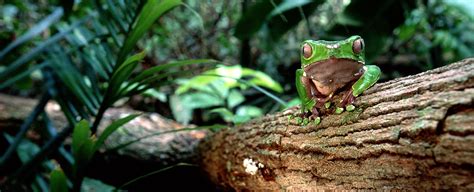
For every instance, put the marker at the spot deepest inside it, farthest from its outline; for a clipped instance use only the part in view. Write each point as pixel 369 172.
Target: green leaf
pixel 34 31
pixel 251 111
pixel 112 128
pixel 214 78
pixel 85 152
pixel 181 112
pixel 119 77
pixel 73 80
pixel 151 71
pixel 288 5
pixel 246 113
pixel 17 77
pixel 25 58
pixel 26 150
pixel 151 11
pixel 201 83
pixel 262 79
pixel 234 98
pixel 80 135
pixel 227 115
pixel 155 94
pixel 58 181
pixel 200 100
pixel 82 145
pixel 405 32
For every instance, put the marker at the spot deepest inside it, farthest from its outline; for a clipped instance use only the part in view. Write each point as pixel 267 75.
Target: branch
pixel 411 133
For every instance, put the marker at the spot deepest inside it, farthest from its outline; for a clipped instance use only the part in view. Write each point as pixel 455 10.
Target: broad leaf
pixel 262 79
pixel 235 98
pixel 227 115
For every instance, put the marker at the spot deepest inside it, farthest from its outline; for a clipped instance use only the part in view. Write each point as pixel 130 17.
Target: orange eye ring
pixel 307 50
pixel 358 46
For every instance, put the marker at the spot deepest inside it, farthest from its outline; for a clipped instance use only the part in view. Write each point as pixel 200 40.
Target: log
pixel 411 133
pixel 134 160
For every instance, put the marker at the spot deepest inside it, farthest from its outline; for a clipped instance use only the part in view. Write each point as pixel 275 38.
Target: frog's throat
pixel 334 73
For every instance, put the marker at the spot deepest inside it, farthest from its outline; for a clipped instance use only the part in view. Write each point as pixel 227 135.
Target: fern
pixel 86 65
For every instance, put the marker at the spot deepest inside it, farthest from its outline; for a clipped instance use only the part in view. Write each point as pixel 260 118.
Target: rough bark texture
pixel 412 133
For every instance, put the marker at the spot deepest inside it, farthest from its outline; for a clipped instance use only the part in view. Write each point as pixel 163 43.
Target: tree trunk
pixel 411 133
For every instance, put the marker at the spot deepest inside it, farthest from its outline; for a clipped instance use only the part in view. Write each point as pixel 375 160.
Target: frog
pixel 329 68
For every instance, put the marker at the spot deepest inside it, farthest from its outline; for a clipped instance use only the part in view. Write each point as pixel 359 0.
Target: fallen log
pixel 411 133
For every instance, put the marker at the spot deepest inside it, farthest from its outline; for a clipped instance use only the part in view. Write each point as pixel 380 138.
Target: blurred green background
pixel 222 62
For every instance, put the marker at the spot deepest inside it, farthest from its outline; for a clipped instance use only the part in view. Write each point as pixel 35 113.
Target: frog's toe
pixel 327 105
pixel 314 119
pixel 348 99
pixel 339 110
pixel 305 121
pixel 317 121
pixel 299 120
pixel 350 107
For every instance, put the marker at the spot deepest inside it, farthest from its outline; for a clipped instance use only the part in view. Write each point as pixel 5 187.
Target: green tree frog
pixel 330 68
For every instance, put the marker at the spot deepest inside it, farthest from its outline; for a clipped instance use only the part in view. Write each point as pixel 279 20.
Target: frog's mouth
pixel 334 71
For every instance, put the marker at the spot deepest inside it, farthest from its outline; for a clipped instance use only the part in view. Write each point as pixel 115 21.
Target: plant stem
pixel 99 116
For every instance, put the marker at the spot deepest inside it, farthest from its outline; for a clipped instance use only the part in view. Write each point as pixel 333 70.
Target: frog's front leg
pixel 369 77
pixel 307 93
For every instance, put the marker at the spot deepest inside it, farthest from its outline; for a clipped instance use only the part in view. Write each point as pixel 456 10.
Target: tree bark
pixel 411 133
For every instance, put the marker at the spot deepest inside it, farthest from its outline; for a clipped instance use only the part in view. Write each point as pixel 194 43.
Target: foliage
pixel 83 55
pixel 58 181
pixel 438 32
pixel 78 66
pixel 84 145
pixel 217 89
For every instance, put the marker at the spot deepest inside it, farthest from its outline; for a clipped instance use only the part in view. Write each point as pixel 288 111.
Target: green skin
pixel 328 68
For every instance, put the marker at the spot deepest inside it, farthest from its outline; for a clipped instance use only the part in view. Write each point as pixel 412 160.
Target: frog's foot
pixel 314 117
pixel 346 103
pixel 347 99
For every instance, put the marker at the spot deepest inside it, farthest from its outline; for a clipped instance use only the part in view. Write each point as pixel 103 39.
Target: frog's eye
pixel 307 51
pixel 358 46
